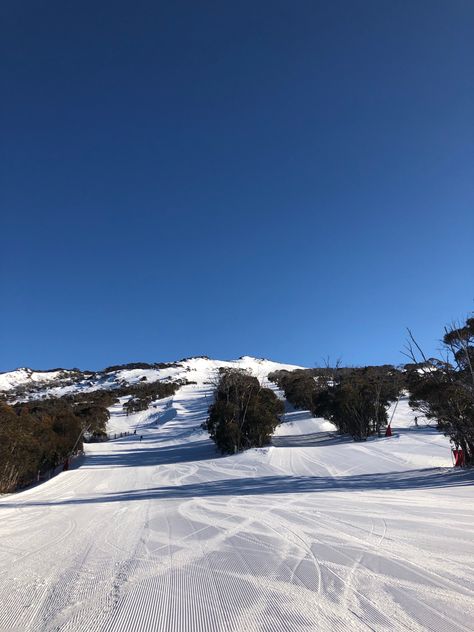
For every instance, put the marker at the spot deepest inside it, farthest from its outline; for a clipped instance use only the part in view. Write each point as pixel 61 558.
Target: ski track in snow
pixel 312 533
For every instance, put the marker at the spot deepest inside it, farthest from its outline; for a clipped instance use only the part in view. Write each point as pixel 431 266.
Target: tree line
pixel 143 393
pixel 38 435
pixel 356 400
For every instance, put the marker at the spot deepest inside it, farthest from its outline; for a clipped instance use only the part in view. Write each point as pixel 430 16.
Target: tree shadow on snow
pixel 154 455
pixel 308 440
pixel 389 481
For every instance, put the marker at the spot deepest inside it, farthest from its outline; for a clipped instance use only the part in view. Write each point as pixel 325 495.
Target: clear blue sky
pixel 282 179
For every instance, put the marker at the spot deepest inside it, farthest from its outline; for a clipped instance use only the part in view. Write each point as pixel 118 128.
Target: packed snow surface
pixel 313 533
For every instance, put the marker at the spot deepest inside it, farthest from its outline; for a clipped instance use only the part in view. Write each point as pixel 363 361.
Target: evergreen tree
pixel 443 389
pixel 244 414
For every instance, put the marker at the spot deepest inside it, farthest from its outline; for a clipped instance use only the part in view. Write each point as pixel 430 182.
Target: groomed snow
pixel 312 533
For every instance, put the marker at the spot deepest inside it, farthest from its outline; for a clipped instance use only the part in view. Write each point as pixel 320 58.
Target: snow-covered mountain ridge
pixel 59 382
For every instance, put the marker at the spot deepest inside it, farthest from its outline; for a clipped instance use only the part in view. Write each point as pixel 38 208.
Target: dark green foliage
pixel 103 398
pixel 357 401
pixel 143 393
pixel 136 404
pixel 444 389
pixel 155 390
pixel 354 399
pixel 35 437
pixel 300 386
pixel 244 415
pixel 39 435
pixel 93 417
pixel 91 409
pixel 140 365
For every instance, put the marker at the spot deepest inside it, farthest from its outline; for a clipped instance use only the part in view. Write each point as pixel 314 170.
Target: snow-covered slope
pixel 312 533
pixel 26 377
pixel 62 382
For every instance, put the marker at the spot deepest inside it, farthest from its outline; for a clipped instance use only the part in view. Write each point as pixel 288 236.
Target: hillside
pixel 156 531
pixel 28 383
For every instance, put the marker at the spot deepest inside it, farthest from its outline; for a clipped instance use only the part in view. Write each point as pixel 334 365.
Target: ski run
pixel 312 533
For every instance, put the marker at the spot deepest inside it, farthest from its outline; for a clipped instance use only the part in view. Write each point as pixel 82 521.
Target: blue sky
pixel 291 180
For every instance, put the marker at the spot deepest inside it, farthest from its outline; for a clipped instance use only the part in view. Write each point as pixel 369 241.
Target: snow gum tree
pixel 443 389
pixel 35 437
pixel 354 399
pixel 244 414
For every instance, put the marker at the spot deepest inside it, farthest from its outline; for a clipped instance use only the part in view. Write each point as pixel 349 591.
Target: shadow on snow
pixel 390 481
pixel 154 455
